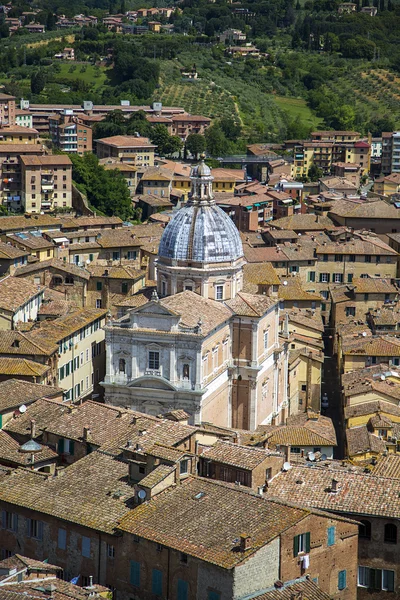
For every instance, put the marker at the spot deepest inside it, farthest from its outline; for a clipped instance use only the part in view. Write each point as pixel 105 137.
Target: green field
pixel 298 109
pixel 95 76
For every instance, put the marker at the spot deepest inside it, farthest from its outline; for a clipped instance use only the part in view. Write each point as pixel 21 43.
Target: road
pixel 331 386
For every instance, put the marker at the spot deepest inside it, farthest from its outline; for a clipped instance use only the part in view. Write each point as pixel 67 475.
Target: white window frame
pixel 153 357
pixel 219 291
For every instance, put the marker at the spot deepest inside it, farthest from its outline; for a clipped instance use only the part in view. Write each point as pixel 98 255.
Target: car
pixel 325 401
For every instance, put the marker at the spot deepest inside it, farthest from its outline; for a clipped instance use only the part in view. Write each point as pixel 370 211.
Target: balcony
pixel 153 373
pixel 47 186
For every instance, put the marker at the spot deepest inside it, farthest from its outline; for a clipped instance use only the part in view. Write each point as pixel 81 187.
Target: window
pixel 338 257
pixel 34 529
pixel 219 292
pixel 154 360
pixel 338 278
pixel 132 254
pixel 184 465
pixel 81 358
pixel 163 288
pixel 185 371
pixel 349 277
pixel 325 258
pixel 62 539
pixel 85 546
pixel 311 276
pixel 135 573
pixel 156 582
pixel 331 536
pixel 122 365
pixel 390 533
pixel 342 576
pixel 324 278
pixel 265 340
pixel 183 558
pixel 110 551
pixel 325 294
pixel 352 258
pixel 366 296
pixel 376 579
pixel 124 288
pixel 99 286
pixel 98 303
pixel 294 269
pixel 301 543
pixel 9 520
pixel 115 256
pixel 364 530
pixel 367 258
pixel 66 446
pixel 182 590
pixel 350 311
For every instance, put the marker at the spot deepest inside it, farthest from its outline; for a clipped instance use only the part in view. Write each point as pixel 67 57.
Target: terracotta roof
pixel 54 159
pixel 34 242
pixel 242 457
pixel 367 408
pixel 219 513
pixel 90 222
pixel 358 493
pixel 251 305
pixel 138 299
pixel 96 476
pixel 157 476
pixel 304 222
pixel 190 118
pixel 294 290
pixel 22 367
pixel 361 441
pixel 126 141
pixel 166 452
pixel 263 254
pixel 22 344
pixel 304 318
pixel 374 247
pixel 293 589
pixel 10 452
pixel 57 265
pixel 16 392
pixel 379 420
pixel 117 272
pixel 15 292
pixel 281 234
pixel 371 346
pixel 388 466
pixel 374 285
pixel 191 307
pixel 7 251
pixel 255 274
pixel 303 431
pixel 52 332
pixel 377 209
pixel 21 223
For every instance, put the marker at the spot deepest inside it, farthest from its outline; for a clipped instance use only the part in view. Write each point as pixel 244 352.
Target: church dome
pixel 201 233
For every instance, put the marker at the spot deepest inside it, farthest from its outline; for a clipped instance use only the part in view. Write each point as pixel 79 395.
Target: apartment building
pixel 184 125
pixel 19 301
pixel 390 152
pixel 7 110
pixel 79 336
pixel 69 133
pixel 46 183
pixel 137 150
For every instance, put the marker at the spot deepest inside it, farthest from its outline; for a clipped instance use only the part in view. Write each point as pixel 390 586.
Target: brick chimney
pixel 245 542
pixel 33 429
pixel 334 486
pixel 87 434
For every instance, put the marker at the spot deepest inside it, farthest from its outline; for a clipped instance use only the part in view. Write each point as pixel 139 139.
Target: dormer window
pixel 154 360
pixel 184 467
pixel 122 365
pixel 219 292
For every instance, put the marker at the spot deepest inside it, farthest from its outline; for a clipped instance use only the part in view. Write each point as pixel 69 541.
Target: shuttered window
pixel 156 582
pixel 342 577
pixel 135 573
pixel 301 543
pixel 182 591
pixel 331 536
pixel 85 546
pixel 62 539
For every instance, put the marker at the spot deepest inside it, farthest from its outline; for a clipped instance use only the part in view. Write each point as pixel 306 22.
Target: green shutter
pixel 182 589
pixel 156 582
pixel 349 277
pixel 375 581
pixel 135 573
pixel 308 541
pixel 60 446
pixel 342 580
pixel 1 421
pixel 331 536
pixel 71 447
pixel 295 545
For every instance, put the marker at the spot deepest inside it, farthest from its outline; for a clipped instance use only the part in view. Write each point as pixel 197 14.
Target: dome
pixel 201 233
pixel 202 170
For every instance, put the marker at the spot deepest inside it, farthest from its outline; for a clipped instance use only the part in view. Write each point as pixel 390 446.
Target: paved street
pixel 331 386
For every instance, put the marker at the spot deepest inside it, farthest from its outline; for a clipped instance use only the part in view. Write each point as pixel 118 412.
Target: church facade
pixel 200 344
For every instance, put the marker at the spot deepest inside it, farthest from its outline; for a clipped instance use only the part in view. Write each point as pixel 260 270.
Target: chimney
pixel 334 486
pixel 287 453
pixel 245 542
pixel 33 429
pixel 260 490
pixel 87 434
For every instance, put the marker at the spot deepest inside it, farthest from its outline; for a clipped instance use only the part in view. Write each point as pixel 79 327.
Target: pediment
pixel 154 308
pixel 155 383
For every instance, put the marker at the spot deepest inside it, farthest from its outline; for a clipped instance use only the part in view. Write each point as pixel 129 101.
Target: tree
pixel 38 82
pixel 195 144
pixel 216 142
pixel 315 173
pixel 231 128
pixel 165 143
pixel 51 21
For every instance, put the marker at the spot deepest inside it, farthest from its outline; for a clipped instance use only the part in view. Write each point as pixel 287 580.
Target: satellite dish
pixel 383 377
pixel 142 494
pixel 22 409
pixel 323 457
pixel 87 261
pixel 311 456
pixel 364 334
pixel 286 466
pixel 285 283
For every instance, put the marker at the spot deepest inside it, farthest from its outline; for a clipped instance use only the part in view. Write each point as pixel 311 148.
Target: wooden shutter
pixel 182 589
pixel 60 446
pixel 156 582
pixel 331 536
pixel 375 579
pixel 135 573
pixel 308 540
pixel 342 580
pixel 295 545
pixel 71 447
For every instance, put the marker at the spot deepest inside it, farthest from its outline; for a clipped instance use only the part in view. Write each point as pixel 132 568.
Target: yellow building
pixel 386 186
pixel 17 134
pixel 39 247
pixel 126 148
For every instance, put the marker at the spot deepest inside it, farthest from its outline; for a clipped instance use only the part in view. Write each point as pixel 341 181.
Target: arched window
pixel 122 365
pixel 185 371
pixel 390 533
pixel 365 530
